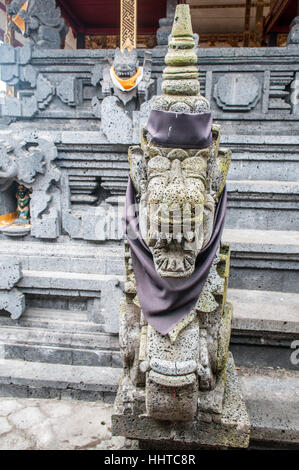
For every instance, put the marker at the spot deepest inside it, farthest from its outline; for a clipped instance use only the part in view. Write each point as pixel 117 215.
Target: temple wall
pixel 75 249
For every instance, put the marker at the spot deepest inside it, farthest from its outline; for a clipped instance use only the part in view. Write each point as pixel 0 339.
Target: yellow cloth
pixel 130 82
pixel 19 21
pixel 8 219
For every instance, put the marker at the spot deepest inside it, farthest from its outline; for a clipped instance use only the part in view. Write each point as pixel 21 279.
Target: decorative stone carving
pixel 125 87
pixel 30 163
pixel 176 365
pixel 237 92
pixel 35 90
pixel 11 299
pixel 38 20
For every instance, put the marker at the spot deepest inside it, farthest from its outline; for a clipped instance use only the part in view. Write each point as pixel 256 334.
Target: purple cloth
pixel 171 129
pixel 165 302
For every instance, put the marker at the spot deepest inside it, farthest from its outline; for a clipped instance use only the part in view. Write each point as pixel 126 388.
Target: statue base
pixel 231 428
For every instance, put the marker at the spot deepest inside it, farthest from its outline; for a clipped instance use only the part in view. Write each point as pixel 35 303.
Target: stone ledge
pixel 269 241
pixel 272 401
pixel 58 377
pixel 264 311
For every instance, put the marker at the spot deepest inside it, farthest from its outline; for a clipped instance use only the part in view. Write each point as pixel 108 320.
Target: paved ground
pixel 37 424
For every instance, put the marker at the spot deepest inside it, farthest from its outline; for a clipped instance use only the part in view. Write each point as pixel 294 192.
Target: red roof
pixel 103 16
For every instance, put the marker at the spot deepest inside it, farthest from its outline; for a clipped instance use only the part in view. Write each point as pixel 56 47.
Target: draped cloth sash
pixel 183 130
pixel 167 301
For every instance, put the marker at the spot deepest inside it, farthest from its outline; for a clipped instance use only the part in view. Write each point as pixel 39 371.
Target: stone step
pixel 265 328
pixel 62 320
pixel 34 379
pixel 271 397
pixel 272 401
pixel 57 336
pixel 260 260
pixel 268 249
pixel 263 205
pixel 75 256
pixel 264 259
pixel 267 157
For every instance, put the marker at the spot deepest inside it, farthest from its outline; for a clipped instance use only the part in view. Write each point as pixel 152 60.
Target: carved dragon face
pixel 125 64
pixel 177 210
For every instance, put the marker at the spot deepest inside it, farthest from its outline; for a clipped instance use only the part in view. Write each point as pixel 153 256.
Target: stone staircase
pixel 66 344
pixel 53 353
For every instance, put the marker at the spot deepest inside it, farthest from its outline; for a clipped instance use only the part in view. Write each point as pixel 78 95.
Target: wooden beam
pixel 247 23
pixel 277 8
pixel 224 6
pixel 259 22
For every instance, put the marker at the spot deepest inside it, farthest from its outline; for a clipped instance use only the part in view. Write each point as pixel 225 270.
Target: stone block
pixel 116 122
pixel 7 54
pixel 13 301
pixel 10 274
pixel 237 92
pixel 233 430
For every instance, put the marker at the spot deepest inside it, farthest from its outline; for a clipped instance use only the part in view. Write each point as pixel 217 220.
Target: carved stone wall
pixel 254 96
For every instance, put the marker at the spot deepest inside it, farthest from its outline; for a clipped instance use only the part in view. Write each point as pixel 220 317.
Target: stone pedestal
pixel 231 428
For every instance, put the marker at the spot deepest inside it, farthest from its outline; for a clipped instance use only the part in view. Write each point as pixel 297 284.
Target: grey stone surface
pixel 11 299
pixel 274 423
pixel 43 22
pixel 263 205
pixel 10 274
pixel 165 24
pixel 37 424
pixel 293 37
pixel 56 89
pixel 265 329
pixel 272 403
pixel 58 380
pixel 233 431
pixel 111 113
pixel 271 398
pixel 263 259
pixel 237 92
pixel 265 311
pixel 31 162
pixel 66 336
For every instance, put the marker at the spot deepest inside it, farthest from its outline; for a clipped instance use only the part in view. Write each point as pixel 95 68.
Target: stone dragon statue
pixel 175 373
pixel 38 20
pixel 125 90
pixel 125 79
